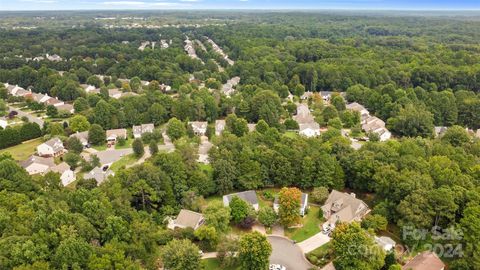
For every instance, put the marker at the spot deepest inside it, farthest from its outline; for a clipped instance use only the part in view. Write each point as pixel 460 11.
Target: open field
pixel 24 150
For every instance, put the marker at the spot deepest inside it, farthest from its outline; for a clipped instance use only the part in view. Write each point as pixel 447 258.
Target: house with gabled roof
pixel 37 165
pixel 67 176
pixel 98 174
pixel 356 107
pixel 309 129
pixel 426 260
pixel 186 219
pixel 199 128
pixel 51 148
pixel 250 196
pixel 343 207
pixel 114 134
pixel 82 137
pixel 139 130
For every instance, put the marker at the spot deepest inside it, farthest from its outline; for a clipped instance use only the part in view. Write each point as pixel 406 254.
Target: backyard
pixel 24 150
pixel 214 264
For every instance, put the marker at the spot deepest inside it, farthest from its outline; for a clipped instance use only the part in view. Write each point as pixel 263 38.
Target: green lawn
pixel 320 256
pixel 128 144
pixel 214 264
pixel 311 226
pixel 291 134
pixel 124 161
pixel 24 150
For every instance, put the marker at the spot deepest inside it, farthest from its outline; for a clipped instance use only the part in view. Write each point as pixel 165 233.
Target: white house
pixel 51 148
pixel 138 131
pixel 186 219
pixel 66 174
pixel 303 204
pixel 114 134
pixel 309 129
pixel 199 128
pixel 37 165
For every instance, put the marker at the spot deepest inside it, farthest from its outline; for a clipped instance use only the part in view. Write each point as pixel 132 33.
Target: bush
pixel 268 195
pixel 319 195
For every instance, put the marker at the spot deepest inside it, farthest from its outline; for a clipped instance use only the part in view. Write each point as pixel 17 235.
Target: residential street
pixel 288 254
pixel 30 117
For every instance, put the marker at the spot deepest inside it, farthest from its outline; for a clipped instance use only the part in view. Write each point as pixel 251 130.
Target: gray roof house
pixel 82 137
pixel 249 196
pixel 357 108
pixel 343 207
pixel 51 148
pixel 98 174
pixel 303 204
pixel 36 164
pixel 138 131
pixel 114 134
pixel 186 219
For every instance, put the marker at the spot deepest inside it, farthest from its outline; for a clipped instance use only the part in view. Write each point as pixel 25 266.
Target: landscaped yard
pixel 214 264
pixel 124 161
pixel 311 226
pixel 24 150
pixel 320 256
pixel 128 144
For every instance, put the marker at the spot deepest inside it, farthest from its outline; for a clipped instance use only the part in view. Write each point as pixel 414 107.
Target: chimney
pixel 353 195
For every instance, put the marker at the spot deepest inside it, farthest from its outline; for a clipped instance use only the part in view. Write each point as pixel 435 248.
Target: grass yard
pixel 124 161
pixel 291 134
pixel 24 150
pixel 311 226
pixel 128 144
pixel 214 264
pixel 320 256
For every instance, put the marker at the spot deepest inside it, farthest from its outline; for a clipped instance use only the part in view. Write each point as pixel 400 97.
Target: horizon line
pixel 246 9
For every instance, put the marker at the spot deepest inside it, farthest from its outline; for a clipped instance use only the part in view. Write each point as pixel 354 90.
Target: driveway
pixel 287 254
pixel 314 242
pixel 30 117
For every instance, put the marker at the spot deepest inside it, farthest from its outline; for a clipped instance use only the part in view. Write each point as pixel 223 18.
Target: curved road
pixel 288 254
pixel 30 117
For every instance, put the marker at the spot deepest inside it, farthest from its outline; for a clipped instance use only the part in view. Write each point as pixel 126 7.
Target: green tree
pixel 208 235
pixel 52 111
pixel 181 255
pixel 176 129
pixel 218 216
pixel 375 222
pixel 267 216
pixel 153 147
pixel 74 145
pixel 79 123
pixel 354 248
pixel 412 121
pixel 138 149
pixel 239 210
pixel 319 195
pixel 96 135
pixel 456 136
pixel 254 251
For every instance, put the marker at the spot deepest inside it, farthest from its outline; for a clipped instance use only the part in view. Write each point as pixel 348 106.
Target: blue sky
pixel 240 4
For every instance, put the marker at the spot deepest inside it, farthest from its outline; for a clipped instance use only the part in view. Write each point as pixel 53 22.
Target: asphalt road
pixel 288 254
pixel 30 117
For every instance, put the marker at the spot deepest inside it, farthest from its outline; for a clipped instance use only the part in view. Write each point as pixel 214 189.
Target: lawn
pixel 214 264
pixel 101 147
pixel 124 161
pixel 311 226
pixel 320 256
pixel 24 150
pixel 291 134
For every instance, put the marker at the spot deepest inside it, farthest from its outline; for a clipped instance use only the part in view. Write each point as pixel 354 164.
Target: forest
pixel 415 72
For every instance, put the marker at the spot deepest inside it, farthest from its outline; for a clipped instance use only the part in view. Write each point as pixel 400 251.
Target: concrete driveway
pixel 314 242
pixel 286 253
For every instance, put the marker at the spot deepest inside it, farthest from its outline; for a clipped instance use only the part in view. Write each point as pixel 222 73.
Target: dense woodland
pixel 414 72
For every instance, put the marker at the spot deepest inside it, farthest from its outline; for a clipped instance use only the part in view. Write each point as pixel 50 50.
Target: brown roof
pixel 425 261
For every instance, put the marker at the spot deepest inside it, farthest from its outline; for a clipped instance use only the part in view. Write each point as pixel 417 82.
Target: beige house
pixel 186 219
pixel 138 131
pixel 343 207
pixel 51 148
pixel 114 134
pixel 425 261
pixel 82 137
pixel 309 129
pixel 199 128
pixel 37 165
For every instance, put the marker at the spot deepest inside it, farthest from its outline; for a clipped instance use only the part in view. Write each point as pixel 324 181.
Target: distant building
pixel 82 137
pixel 357 108
pixel 303 204
pixel 343 207
pixel 138 131
pixel 115 93
pixel 386 243
pixel 425 261
pixel 249 196
pixel 219 127
pixel 439 131
pixel 37 165
pixel 373 124
pixel 186 219
pixel 309 129
pixel 51 148
pixel 66 108
pixel 199 128
pixel 3 123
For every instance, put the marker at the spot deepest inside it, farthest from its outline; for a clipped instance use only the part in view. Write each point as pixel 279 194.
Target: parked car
pixel 277 267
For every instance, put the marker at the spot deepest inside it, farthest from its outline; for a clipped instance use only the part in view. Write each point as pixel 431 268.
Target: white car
pixel 277 267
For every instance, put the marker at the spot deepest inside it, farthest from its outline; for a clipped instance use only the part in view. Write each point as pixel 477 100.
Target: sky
pixel 241 4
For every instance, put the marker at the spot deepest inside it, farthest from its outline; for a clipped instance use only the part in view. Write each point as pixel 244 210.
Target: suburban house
pixel 303 204
pixel 228 88
pixel 306 95
pixel 357 108
pixel 54 101
pixel 343 207
pixel 385 242
pixel 251 127
pixel 249 196
pixel 90 89
pixel 439 131
pixel 98 174
pixel 54 58
pixel 199 128
pixel 16 90
pixel 373 124
pixel 107 158
pixel 114 134
pixel 186 219
pixel 39 98
pixel 303 115
pixel 309 129
pixel 51 148
pixel 138 131
pixel 425 261
pixel 115 93
pixel 37 165
pixel 66 174
pixel 3 123
pixel 219 127
pixel 82 137
pixel 66 108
